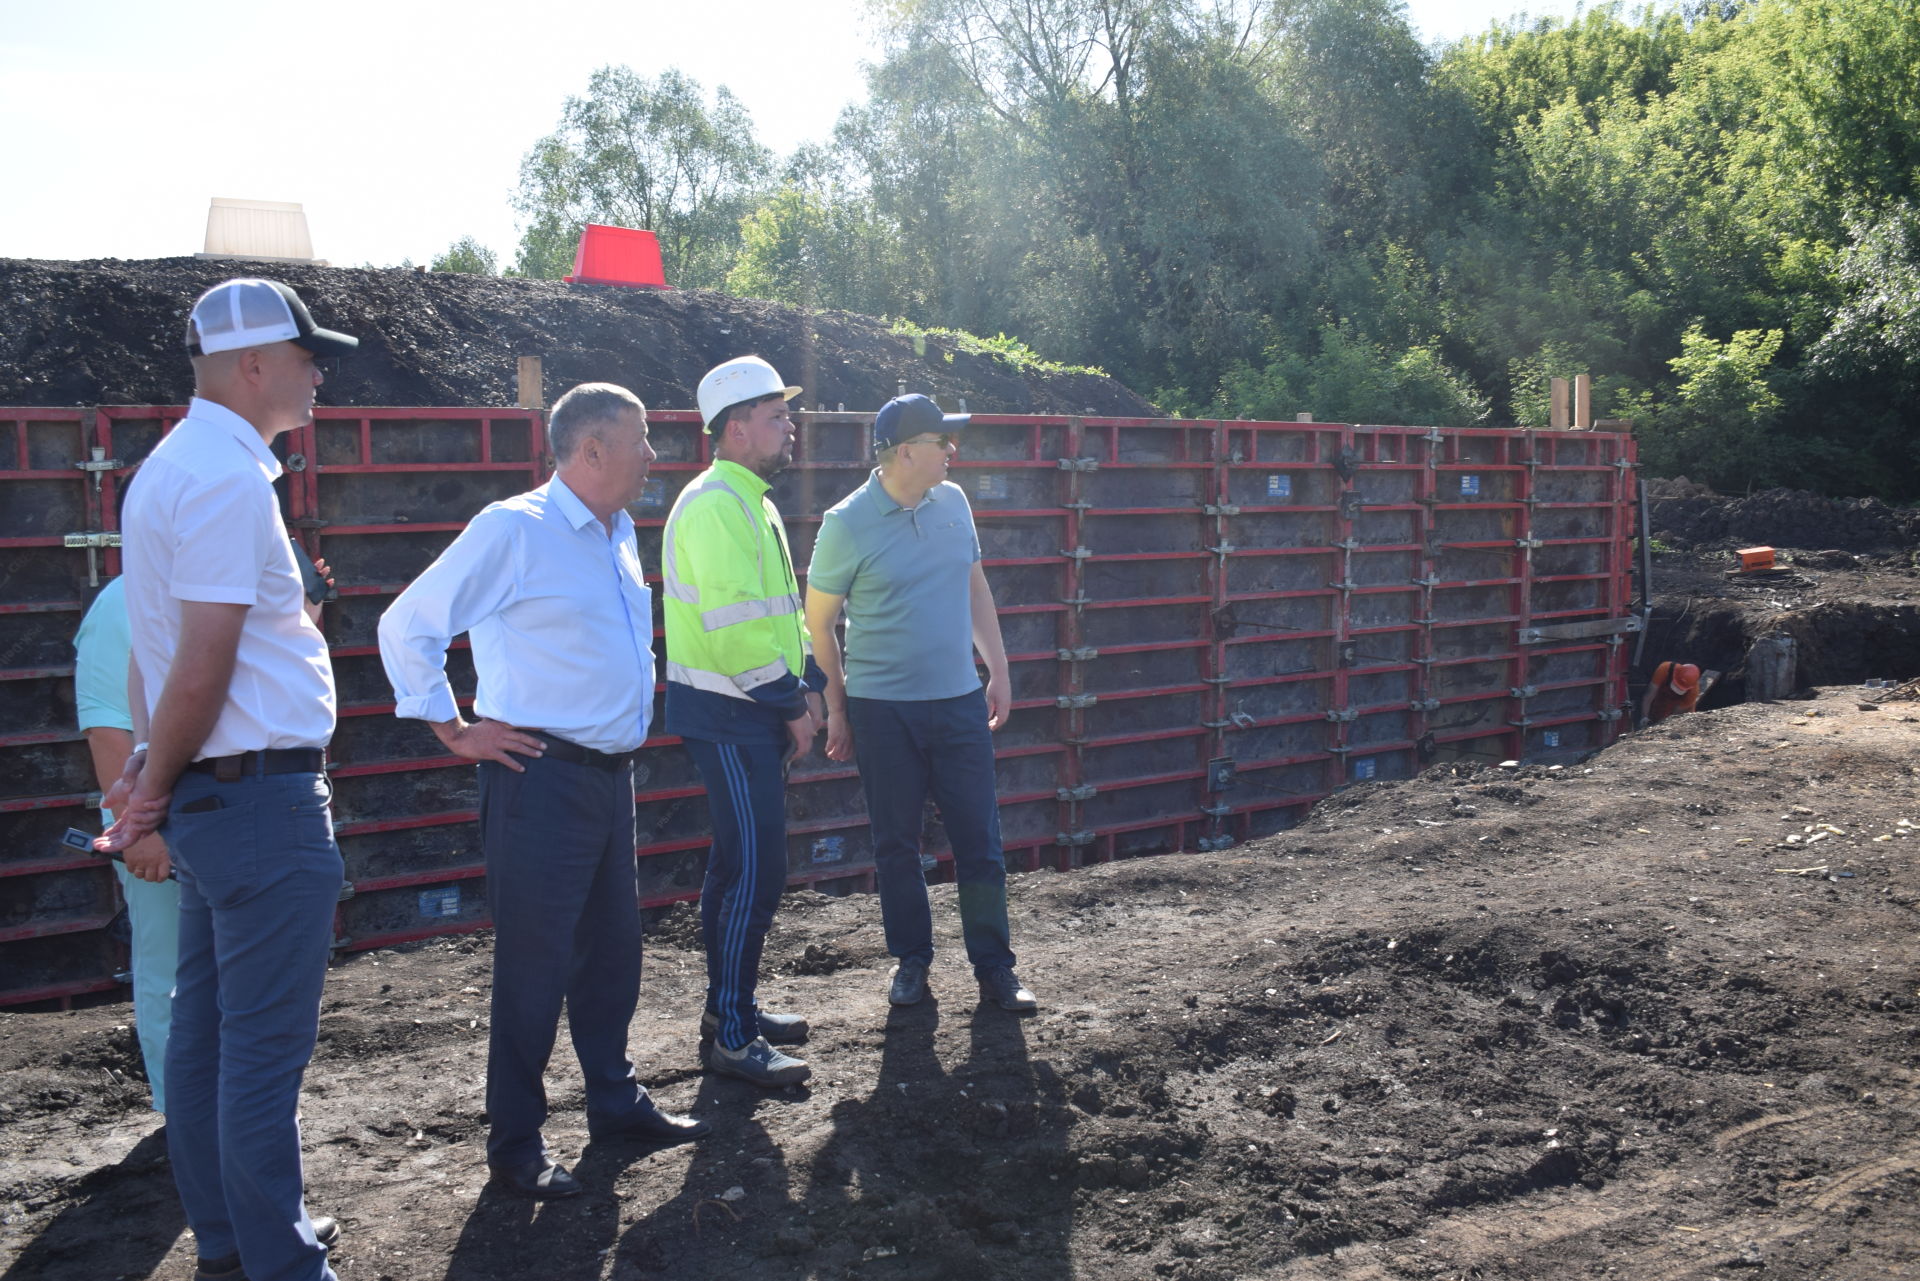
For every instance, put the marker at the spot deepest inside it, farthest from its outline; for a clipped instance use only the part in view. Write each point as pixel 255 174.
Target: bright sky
pixel 398 125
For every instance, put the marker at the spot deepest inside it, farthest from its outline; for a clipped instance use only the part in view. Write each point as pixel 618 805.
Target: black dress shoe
pixel 1002 988
pixel 326 1231
pixel 650 1125
pixel 541 1179
pixel 909 986
pixel 225 1268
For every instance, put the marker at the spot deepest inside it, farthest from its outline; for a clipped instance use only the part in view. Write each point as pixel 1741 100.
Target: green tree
pixel 648 153
pixel 1279 206
pixel 1636 177
pixel 1848 94
pixel 467 256
pixel 1349 379
pixel 1115 177
pixel 824 249
pixel 1722 423
pixel 1355 85
pixel 1513 74
pixel 1876 326
pixel 931 159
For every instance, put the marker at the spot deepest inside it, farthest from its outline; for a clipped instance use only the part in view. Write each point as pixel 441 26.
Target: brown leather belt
pixel 275 760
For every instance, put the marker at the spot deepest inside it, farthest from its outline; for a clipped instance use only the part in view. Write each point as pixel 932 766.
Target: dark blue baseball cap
pixel 905 417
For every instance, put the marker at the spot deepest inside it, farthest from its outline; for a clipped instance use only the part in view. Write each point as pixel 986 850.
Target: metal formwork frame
pixel 1253 448
pixel 93 471
pixel 310 462
pixel 1094 446
pixel 1402 595
pixel 1029 455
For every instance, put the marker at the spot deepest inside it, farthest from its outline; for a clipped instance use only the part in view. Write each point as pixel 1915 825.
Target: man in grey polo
pixel 901 556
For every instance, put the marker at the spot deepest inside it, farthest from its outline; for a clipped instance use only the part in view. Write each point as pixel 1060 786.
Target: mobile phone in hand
pixel 318 589
pixel 77 839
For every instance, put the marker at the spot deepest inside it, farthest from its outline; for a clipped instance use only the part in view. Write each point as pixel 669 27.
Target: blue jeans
pixel 259 877
pixel 746 871
pixel 907 751
pixel 565 896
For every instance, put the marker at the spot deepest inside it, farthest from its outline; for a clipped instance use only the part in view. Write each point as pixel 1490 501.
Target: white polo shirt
pixel 560 620
pixel 202 524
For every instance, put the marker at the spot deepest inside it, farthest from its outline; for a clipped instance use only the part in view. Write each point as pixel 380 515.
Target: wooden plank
pixel 1557 410
pixel 528 388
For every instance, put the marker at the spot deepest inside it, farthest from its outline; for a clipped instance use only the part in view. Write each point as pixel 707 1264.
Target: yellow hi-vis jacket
pixel 737 649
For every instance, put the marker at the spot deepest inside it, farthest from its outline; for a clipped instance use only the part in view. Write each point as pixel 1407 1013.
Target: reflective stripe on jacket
pixel 732 605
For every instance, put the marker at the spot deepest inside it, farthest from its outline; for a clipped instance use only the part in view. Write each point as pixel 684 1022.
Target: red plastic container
pixel 623 256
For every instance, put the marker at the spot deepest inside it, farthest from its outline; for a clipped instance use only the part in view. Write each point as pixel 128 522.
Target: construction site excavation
pixel 1375 936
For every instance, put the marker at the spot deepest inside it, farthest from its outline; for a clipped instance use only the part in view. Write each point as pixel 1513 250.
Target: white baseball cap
pixel 250 312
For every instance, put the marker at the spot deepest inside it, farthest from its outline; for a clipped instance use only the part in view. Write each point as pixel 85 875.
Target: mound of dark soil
pixel 1685 515
pixel 111 332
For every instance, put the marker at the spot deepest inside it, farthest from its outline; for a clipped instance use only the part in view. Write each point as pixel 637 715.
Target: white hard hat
pixel 746 378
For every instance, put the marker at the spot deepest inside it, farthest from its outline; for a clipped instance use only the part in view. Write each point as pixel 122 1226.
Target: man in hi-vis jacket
pixel 743 695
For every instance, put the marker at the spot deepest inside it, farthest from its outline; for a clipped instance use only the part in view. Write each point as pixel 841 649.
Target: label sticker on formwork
pixel 441 902
pixel 991 485
pixel 1549 738
pixel 653 495
pixel 1365 767
pixel 829 849
pixel 1469 487
pixel 1279 486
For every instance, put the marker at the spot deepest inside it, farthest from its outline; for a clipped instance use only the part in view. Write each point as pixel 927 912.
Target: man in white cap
pixel 233 705
pixel 548 585
pixel 743 694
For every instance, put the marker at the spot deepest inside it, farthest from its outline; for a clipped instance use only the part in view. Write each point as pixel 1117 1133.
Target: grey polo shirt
pixel 906 574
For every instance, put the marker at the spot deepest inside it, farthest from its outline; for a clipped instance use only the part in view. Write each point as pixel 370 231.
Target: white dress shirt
pixel 202 523
pixel 560 619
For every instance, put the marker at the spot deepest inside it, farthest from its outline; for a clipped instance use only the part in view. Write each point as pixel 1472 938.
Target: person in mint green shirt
pixel 153 908
pixel 901 557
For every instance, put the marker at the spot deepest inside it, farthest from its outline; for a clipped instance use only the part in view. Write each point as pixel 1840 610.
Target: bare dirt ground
pixel 1651 1016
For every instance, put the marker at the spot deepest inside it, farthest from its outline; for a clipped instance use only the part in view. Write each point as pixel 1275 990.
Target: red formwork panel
pixel 57 546
pixel 1340 603
pixel 1210 626
pixel 377 493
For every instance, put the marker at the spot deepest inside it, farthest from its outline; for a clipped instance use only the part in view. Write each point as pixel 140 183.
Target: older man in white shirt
pixel 548 586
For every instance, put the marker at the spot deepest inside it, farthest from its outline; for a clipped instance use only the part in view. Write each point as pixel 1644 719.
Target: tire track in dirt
pixel 1504 1240
pixel 1727 1138
pixel 1528 1239
pixel 1654 1264
pixel 1864 1176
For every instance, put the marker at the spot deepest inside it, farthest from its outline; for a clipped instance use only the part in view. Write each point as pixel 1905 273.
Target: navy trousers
pixel 259 877
pixel 562 887
pixel 747 870
pixel 909 750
